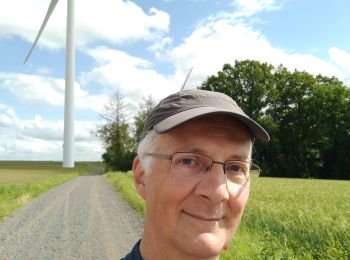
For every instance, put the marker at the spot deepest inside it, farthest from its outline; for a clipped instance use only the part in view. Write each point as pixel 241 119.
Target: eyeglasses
pixel 191 165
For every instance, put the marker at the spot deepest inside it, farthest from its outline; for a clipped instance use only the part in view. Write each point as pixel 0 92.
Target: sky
pixel 142 48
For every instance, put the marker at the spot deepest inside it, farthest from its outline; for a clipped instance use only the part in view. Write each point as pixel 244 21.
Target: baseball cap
pixel 188 105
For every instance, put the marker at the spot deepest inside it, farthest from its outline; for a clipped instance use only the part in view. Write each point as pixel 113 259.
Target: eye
pixel 235 168
pixel 236 172
pixel 187 161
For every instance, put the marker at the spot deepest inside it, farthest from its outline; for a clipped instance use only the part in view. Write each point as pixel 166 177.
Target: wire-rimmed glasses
pixel 190 165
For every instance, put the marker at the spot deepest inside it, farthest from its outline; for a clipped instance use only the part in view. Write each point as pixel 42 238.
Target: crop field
pixel 284 218
pixel 21 180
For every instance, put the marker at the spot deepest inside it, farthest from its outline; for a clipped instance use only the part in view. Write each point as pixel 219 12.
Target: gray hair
pixel 147 145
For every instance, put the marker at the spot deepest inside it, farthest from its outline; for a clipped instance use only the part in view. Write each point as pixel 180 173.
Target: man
pixel 192 170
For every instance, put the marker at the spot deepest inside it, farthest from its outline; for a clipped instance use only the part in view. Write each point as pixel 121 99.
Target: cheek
pixel 165 196
pixel 173 193
pixel 237 203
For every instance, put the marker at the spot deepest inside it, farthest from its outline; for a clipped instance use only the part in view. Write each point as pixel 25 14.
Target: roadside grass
pixel 21 181
pixel 124 184
pixel 284 218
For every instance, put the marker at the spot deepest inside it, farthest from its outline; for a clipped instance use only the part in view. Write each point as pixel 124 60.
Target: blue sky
pixel 143 48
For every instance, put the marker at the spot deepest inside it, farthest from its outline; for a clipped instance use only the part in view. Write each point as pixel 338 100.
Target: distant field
pixel 81 167
pixel 13 176
pixel 284 219
pixel 22 180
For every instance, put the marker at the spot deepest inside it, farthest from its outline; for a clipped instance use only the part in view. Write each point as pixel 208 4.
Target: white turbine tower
pixel 68 140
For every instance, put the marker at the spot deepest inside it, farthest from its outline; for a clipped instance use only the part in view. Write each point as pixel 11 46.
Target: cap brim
pixel 177 119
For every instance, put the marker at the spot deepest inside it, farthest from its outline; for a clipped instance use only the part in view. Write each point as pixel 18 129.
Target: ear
pixel 139 177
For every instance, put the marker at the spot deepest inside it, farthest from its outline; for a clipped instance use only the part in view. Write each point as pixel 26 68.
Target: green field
pixel 22 180
pixel 284 219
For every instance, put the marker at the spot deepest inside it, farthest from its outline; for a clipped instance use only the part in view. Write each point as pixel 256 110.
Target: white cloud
pixel 132 76
pixel 8 117
pixel 160 45
pixel 114 21
pixel 5 120
pixel 39 129
pixel 85 100
pixel 43 70
pixel 224 40
pixel 341 58
pixel 33 89
pixel 251 7
pixel 40 139
pixel 45 90
pixel 3 106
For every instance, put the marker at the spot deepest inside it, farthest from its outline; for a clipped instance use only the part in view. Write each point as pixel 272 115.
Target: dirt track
pixel 81 219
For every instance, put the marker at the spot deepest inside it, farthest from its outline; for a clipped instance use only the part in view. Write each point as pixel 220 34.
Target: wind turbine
pixel 68 140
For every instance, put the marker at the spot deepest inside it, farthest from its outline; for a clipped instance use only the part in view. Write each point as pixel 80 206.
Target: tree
pixel 333 103
pixel 115 134
pixel 248 82
pixel 306 116
pixel 146 108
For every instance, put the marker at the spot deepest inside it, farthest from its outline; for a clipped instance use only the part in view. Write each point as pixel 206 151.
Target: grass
pixel 123 182
pixel 22 180
pixel 284 219
pixel 294 219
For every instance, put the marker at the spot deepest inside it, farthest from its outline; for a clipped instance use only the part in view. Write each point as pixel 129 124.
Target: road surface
pixel 81 219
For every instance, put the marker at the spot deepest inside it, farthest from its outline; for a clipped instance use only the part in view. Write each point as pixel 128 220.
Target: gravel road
pixel 81 219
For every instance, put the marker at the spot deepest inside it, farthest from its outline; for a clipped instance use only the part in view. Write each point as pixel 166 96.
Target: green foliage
pixel 145 109
pixel 123 182
pixel 306 116
pixel 115 134
pixel 121 146
pixel 248 82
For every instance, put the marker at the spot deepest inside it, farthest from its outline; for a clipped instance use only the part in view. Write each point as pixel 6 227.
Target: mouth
pixel 203 218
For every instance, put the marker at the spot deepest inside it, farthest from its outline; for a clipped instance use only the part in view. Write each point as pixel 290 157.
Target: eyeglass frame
pixel 171 156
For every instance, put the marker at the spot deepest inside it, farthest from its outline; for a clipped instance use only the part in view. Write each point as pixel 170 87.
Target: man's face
pixel 197 218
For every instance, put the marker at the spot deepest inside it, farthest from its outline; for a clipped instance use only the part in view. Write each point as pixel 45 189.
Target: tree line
pixel 307 117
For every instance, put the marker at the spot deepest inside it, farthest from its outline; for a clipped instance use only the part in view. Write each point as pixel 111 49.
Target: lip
pixel 203 218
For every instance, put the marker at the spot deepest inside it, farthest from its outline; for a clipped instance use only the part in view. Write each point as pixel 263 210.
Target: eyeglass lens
pixel 190 165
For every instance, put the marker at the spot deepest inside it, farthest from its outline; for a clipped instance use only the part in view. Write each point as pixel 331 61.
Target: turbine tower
pixel 68 140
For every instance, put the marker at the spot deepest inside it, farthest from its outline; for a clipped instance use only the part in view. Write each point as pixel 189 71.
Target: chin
pixel 205 245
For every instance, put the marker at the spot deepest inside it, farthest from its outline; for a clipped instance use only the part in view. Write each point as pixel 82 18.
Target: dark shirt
pixel 135 253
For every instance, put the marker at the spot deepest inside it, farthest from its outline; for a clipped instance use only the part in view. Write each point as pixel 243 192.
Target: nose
pixel 213 185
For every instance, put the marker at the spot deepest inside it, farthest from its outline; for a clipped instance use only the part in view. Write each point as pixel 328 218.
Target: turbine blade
pixel 47 17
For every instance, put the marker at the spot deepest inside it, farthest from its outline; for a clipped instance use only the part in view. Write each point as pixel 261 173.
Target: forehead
pixel 209 132
pixel 215 125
